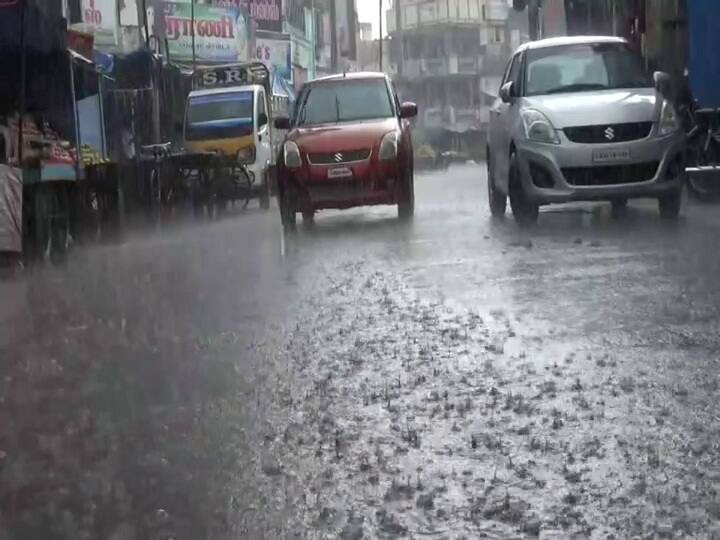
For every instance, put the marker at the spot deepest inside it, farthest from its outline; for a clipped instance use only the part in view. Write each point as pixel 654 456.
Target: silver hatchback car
pixel 579 119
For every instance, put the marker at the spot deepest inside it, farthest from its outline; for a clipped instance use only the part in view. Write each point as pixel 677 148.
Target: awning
pixel 41 34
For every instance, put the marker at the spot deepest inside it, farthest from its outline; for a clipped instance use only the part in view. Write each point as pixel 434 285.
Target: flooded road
pixel 448 378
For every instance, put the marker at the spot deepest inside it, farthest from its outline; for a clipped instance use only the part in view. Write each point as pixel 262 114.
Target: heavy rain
pixel 359 269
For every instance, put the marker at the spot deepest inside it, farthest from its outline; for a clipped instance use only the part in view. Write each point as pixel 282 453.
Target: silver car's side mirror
pixel 506 92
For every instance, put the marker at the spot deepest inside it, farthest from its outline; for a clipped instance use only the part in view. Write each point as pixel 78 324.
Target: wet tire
pixel 669 206
pixel 265 195
pixel 308 217
pixel 406 204
pixel 704 191
pixel 496 199
pixel 619 208
pixel 524 210
pixel 288 215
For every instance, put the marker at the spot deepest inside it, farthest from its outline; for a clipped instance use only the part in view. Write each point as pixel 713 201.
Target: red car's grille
pixel 335 158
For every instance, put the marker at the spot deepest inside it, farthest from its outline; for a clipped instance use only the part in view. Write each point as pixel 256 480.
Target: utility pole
pixel 23 82
pixel 534 19
pixel 192 30
pixel 380 40
pixel 333 37
pixel 400 47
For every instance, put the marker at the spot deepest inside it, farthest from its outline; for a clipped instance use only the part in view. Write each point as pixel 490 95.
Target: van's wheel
pixel 496 199
pixel 524 210
pixel 618 209
pixel 406 204
pixel 669 206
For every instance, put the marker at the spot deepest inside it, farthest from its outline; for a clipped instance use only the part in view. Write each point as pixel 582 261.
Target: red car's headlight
pixel 291 155
pixel 389 146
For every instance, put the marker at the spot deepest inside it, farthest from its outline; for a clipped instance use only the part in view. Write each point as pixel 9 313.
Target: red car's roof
pixel 360 75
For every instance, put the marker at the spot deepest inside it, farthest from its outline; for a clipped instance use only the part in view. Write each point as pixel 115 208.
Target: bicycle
pixel 703 152
pixel 160 190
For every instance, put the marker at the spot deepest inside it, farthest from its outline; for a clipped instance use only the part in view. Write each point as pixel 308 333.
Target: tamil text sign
pixel 221 34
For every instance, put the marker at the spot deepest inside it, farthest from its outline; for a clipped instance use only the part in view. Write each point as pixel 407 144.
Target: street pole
pixel 145 24
pixel 400 47
pixel 380 40
pixel 333 38
pixel 23 82
pixel 534 19
pixel 192 30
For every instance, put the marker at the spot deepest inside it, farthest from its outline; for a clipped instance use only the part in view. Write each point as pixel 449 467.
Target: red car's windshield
pixel 344 101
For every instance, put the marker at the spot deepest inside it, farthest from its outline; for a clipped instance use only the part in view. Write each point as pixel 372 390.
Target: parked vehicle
pixel 701 103
pixel 703 153
pixel 229 113
pixel 578 119
pixel 349 144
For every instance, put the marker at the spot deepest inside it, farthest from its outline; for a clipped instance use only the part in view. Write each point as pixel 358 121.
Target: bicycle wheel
pixel 704 187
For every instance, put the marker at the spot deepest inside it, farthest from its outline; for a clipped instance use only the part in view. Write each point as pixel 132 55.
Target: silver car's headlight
pixel 389 146
pixel 538 128
pixel 669 120
pixel 291 155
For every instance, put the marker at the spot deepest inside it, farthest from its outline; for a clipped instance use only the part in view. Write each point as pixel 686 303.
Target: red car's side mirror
pixel 408 110
pixel 282 122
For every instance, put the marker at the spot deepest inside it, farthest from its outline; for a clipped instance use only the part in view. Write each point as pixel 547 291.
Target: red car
pixel 348 145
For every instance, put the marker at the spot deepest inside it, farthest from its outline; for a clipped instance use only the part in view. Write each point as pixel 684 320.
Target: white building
pixel 448 56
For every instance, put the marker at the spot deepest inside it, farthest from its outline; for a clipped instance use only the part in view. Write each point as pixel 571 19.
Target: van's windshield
pixel 223 115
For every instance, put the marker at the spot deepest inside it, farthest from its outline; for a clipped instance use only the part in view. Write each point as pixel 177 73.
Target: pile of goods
pixel 91 157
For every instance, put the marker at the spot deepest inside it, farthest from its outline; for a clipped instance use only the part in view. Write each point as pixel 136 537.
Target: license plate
pixel 340 172
pixel 611 156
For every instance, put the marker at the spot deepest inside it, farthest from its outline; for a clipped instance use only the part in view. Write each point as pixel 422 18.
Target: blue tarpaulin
pixel 704 38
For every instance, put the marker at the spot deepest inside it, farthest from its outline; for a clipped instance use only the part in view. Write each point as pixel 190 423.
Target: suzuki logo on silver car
pixel 338 157
pixel 609 133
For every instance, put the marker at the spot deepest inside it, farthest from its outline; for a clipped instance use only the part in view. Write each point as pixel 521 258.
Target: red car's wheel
pixel 406 203
pixel 288 212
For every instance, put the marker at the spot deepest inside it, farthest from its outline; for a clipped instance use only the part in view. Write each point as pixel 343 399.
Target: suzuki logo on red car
pixel 338 157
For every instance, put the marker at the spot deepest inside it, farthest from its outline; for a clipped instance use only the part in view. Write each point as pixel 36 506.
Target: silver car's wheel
pixel 524 210
pixel 496 199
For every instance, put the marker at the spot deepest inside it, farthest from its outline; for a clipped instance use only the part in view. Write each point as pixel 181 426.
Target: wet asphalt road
pixel 363 378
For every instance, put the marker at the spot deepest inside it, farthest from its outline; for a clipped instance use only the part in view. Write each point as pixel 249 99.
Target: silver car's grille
pixel 335 158
pixel 611 174
pixel 609 133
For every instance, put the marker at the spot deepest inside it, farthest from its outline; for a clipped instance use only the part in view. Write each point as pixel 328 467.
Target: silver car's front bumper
pixel 567 171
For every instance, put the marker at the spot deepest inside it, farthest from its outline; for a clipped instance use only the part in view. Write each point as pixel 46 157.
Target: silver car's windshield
pixel 583 67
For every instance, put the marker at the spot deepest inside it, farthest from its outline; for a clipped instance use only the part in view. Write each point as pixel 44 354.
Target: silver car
pixel 578 119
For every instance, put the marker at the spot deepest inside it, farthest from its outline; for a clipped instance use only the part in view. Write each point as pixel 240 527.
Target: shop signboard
pixel 267 14
pixel 222 34
pixel 275 53
pixel 100 18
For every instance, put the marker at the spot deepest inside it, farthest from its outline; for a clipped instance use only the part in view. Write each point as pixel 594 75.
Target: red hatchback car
pixel 348 144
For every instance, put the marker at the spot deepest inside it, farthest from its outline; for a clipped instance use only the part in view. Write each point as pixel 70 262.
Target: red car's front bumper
pixel 362 183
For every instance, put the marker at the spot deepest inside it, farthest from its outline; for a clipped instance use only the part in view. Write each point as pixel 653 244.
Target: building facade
pixel 448 56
